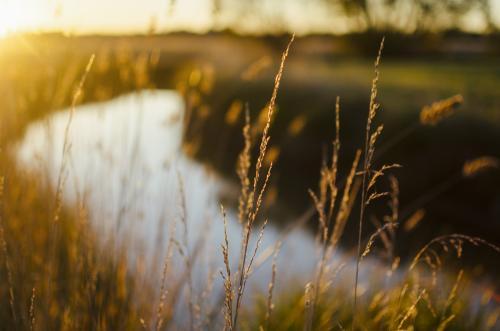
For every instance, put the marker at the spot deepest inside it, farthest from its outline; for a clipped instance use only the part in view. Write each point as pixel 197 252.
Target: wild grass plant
pixel 58 275
pixel 398 307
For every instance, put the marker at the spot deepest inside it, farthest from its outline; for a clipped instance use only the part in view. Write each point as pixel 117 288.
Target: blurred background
pixel 120 129
pixel 221 57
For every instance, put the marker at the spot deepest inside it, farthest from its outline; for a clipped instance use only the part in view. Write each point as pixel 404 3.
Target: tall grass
pixel 58 275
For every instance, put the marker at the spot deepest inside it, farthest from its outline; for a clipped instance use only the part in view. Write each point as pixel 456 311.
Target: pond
pixel 124 160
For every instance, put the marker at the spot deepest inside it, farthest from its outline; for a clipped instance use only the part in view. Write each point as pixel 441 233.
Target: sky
pixel 136 16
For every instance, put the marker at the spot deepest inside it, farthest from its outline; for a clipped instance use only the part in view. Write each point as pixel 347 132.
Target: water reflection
pixel 125 160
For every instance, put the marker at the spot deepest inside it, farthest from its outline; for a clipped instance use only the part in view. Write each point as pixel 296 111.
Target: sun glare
pixel 9 19
pixel 17 16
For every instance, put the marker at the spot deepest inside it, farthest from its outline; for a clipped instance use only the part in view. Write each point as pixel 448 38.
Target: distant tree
pixel 412 15
pixel 362 15
pixel 238 13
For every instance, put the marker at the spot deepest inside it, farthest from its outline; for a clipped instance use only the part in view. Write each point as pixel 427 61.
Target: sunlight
pixel 16 16
pixel 9 19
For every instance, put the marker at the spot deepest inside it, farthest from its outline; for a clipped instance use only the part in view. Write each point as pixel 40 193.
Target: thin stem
pixel 368 155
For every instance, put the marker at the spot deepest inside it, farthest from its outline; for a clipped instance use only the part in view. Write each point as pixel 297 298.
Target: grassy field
pixel 58 275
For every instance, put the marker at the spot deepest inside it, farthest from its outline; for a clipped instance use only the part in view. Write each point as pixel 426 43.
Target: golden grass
pixel 436 112
pixel 473 167
pixel 58 275
pixel 369 150
pixel 249 205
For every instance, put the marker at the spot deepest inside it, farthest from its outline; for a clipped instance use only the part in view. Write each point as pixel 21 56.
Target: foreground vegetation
pixel 58 275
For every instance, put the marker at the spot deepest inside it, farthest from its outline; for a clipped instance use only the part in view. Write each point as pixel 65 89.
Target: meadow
pixel 330 143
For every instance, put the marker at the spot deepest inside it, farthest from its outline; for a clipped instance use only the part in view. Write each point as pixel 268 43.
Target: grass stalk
pixel 368 154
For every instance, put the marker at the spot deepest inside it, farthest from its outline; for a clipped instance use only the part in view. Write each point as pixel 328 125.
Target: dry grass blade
pixel 393 218
pixel 414 220
pixel 32 309
pixel 473 167
pixel 254 201
pixel 375 195
pixel 370 139
pixel 449 300
pixel 256 68
pixel 256 249
pixel 66 142
pixel 320 209
pixel 411 310
pixel 434 113
pixel 374 106
pixel 58 204
pixel 374 236
pixel 188 259
pixel 379 173
pixel 205 298
pixel 166 266
pixel 270 111
pixel 347 202
pixel 442 326
pixel 332 182
pixel 325 204
pixel 243 166
pixel 269 305
pixel 308 305
pixel 454 239
pixel 228 286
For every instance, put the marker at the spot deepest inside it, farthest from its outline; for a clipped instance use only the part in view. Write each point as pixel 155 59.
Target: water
pixel 126 163
pixel 125 160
